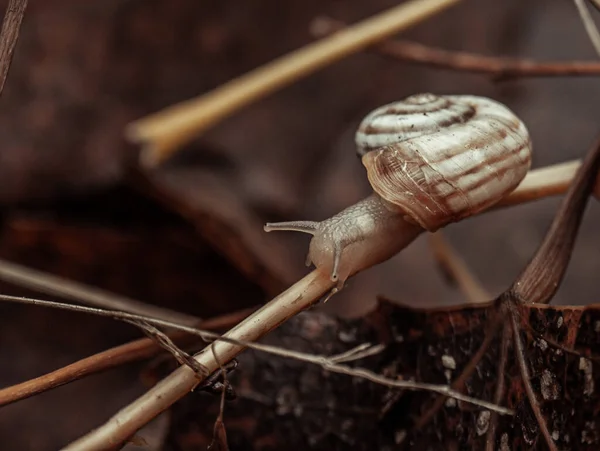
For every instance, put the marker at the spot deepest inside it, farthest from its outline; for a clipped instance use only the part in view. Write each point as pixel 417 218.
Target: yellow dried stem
pixel 458 270
pixel 543 182
pixel 164 132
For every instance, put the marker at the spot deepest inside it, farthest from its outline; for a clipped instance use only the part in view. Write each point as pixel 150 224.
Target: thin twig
pixel 499 68
pixel 50 284
pixel 13 17
pixel 163 132
pixel 455 267
pixel 589 24
pixel 120 355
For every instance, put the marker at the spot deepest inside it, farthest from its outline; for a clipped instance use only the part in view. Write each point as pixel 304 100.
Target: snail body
pixel 431 160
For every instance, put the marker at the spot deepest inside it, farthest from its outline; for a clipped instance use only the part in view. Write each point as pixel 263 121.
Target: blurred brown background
pixel 71 205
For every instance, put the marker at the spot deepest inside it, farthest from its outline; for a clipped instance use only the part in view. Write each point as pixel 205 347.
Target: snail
pixel 431 160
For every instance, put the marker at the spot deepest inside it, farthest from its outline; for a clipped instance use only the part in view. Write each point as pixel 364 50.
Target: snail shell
pixel 442 158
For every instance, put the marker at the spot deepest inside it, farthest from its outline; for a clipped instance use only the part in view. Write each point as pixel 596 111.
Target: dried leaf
pixel 282 401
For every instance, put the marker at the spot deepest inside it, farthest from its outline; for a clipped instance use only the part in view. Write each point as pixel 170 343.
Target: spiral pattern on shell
pixel 440 159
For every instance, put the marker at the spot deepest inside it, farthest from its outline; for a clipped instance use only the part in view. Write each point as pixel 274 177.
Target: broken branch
pixel 499 68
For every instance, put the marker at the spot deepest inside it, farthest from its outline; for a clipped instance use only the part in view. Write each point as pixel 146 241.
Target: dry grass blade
pixel 15 11
pixel 111 358
pixel 499 68
pixel 67 289
pixel 162 133
pixel 455 268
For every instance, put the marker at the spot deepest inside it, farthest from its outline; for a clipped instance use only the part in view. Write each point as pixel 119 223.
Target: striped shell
pixel 443 158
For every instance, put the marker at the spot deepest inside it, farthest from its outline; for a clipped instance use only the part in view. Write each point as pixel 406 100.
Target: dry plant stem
pixel 9 36
pixel 499 68
pixel 165 131
pixel 111 358
pixel 455 267
pixel 589 24
pixel 54 285
pixel 542 276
